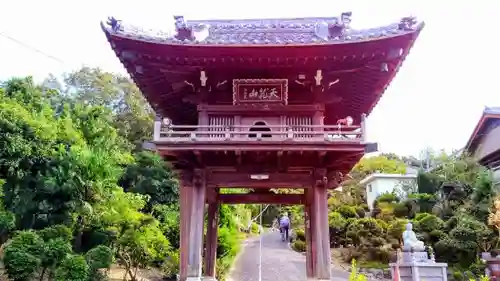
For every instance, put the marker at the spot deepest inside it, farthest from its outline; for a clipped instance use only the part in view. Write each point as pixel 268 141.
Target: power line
pixel 32 48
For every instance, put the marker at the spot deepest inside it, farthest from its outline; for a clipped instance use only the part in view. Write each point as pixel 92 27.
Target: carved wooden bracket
pixel 318 77
pixel 320 177
pixel 185 177
pixel 335 178
pixel 199 178
pixel 203 78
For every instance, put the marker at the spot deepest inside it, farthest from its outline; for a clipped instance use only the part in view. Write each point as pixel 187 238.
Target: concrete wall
pixel 381 185
pixel 489 144
pixel 496 178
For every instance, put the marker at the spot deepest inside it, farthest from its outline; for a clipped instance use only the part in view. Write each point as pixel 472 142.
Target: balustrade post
pixel 157 128
pixel 317 122
pixel 326 135
pixel 227 133
pixel 363 127
pixel 290 133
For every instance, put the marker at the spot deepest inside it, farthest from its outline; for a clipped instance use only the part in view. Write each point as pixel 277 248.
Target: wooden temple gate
pixel 264 103
pixel 202 186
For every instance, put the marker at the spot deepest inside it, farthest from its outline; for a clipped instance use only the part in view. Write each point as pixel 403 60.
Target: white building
pixel 378 183
pixel 484 143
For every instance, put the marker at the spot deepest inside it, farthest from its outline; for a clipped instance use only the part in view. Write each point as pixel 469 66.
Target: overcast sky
pixel 435 100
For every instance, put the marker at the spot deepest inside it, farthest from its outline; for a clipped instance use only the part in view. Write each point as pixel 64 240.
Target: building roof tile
pixel 320 30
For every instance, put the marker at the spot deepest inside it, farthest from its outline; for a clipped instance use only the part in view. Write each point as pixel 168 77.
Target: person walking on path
pixel 284 226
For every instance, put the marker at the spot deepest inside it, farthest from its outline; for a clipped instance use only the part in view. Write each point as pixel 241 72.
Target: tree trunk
pixel 131 274
pixel 77 243
pixel 42 274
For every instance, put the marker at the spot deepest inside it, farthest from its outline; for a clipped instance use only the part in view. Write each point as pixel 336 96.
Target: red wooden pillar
pixel 211 238
pixel 192 220
pixel 322 260
pixel 185 223
pixel 197 223
pixel 309 225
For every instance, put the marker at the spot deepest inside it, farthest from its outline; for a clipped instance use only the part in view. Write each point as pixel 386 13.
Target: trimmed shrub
pixel 299 246
pixel 301 235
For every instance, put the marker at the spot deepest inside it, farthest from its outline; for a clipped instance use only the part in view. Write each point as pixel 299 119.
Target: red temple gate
pixel 261 104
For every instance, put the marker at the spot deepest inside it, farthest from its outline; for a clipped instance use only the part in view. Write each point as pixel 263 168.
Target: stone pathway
pixel 279 262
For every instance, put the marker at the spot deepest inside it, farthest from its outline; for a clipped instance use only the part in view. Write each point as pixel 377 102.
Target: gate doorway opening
pixel 260 126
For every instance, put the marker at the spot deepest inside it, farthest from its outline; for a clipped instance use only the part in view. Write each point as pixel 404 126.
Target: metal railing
pixel 272 133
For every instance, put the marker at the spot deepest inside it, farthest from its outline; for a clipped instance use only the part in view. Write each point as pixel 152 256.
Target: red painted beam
pixel 255 198
pixel 275 180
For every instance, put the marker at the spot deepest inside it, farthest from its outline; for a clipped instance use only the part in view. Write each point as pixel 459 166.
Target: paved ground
pixel 279 262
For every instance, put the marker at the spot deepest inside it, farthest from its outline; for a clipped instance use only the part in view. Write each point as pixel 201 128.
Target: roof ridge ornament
pixel 407 23
pixel 302 31
pixel 114 23
pixel 190 33
pixel 335 29
pixel 340 26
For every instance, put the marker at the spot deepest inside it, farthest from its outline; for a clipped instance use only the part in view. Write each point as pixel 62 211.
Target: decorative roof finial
pixel 342 23
pixel 345 18
pixel 183 31
pixel 114 23
pixel 407 23
pixel 190 33
pixel 180 22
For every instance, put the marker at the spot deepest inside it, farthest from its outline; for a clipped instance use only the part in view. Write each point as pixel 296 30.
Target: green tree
pixel 28 256
pixel 152 176
pixel 21 256
pixel 133 116
pixel 378 164
pixel 427 182
pixel 73 268
pixel 139 239
pixel 65 158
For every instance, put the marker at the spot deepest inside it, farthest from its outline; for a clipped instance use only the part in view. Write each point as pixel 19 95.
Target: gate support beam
pixel 211 238
pixel 322 259
pixel 193 188
pixel 259 198
pixel 309 226
pixel 185 210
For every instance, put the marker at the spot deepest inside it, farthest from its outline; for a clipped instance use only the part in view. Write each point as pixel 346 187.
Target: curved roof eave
pixel 488 112
pixel 352 36
pixel 396 70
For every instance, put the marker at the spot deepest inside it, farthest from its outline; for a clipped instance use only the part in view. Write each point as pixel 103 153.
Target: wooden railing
pixel 304 133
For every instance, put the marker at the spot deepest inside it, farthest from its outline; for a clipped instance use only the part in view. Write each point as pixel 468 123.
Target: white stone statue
pixel 410 240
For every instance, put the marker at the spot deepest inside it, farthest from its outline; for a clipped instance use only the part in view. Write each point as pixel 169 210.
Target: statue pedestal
pixel 418 271
pixel 415 264
pixel 198 278
pixel 415 257
pixel 492 265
